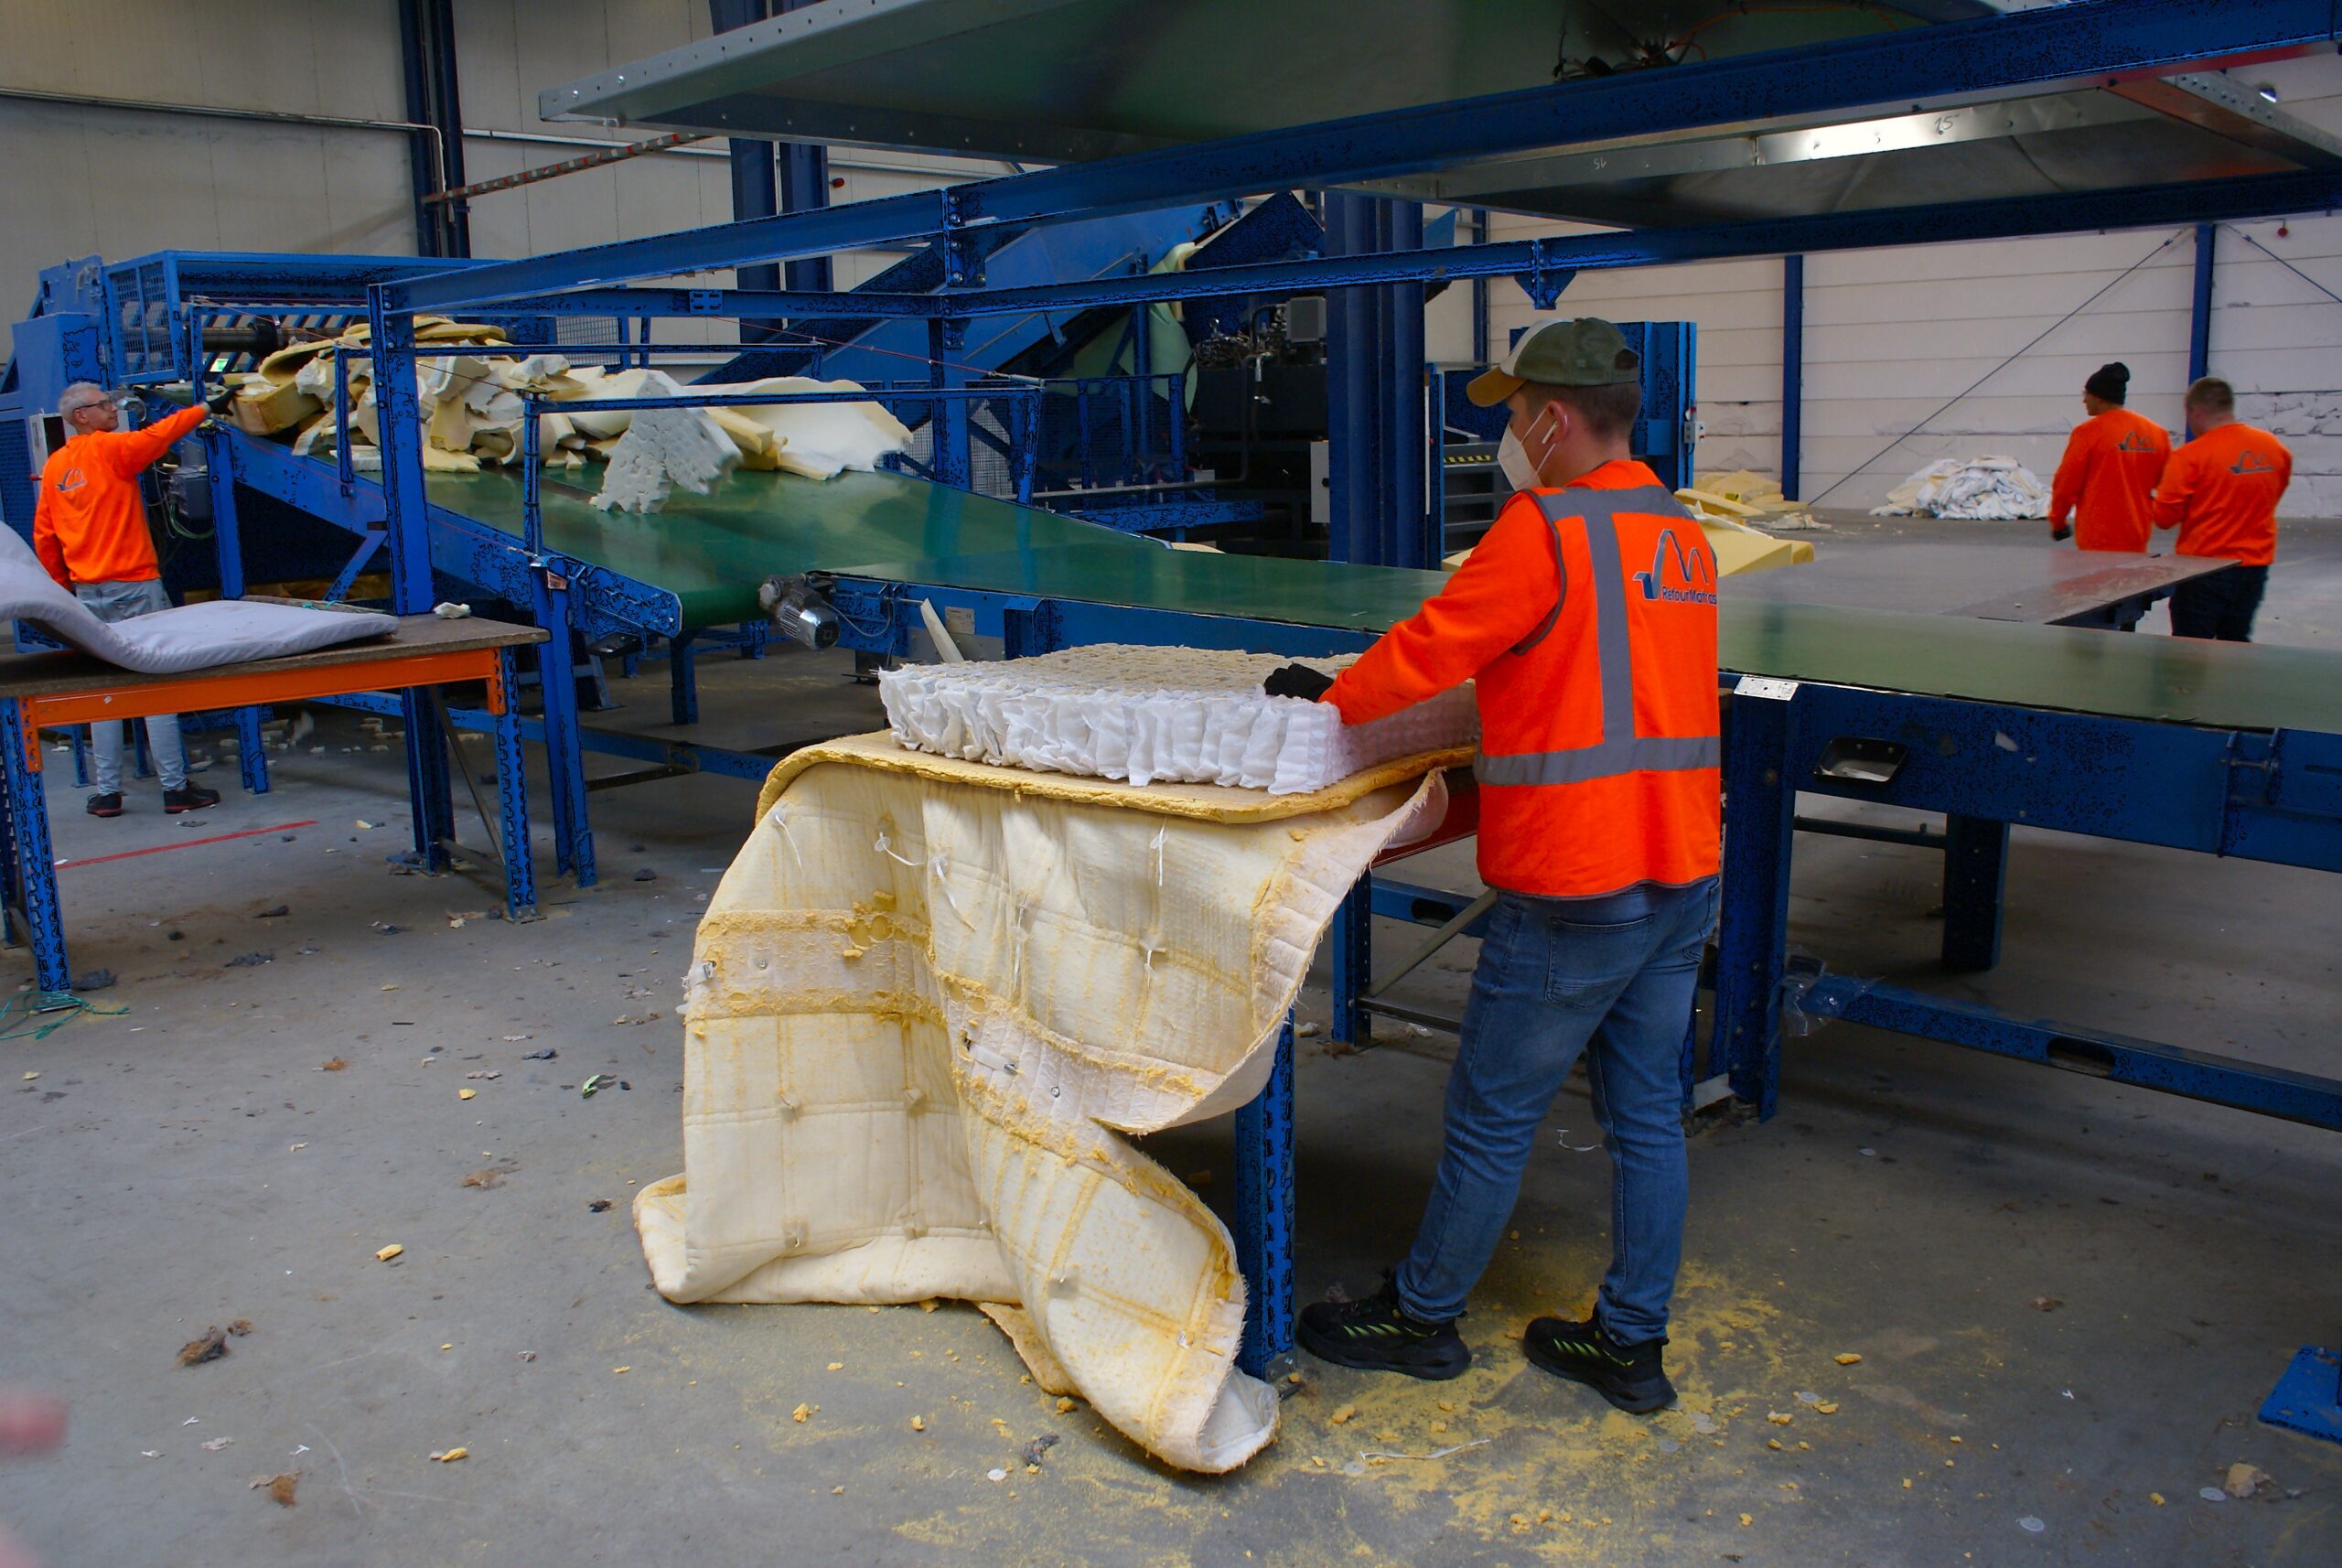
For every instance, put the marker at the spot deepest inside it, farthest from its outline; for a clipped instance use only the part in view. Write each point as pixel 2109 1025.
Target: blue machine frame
pixel 2087 42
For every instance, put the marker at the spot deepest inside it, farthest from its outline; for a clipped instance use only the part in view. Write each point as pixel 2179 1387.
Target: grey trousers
pixel 124 601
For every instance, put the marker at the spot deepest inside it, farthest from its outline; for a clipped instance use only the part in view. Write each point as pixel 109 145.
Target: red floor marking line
pixel 191 843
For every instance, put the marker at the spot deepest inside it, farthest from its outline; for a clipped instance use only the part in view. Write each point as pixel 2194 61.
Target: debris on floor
pixel 449 1455
pixel 279 1488
pixel 1038 1447
pixel 544 1056
pixel 386 1253
pixel 599 1206
pixel 250 959
pixel 213 1446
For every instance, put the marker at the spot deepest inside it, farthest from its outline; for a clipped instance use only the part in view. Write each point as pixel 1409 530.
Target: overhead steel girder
pixel 2086 43
pixel 2205 201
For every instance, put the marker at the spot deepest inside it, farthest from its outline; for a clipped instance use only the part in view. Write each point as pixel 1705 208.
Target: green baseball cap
pixel 1586 352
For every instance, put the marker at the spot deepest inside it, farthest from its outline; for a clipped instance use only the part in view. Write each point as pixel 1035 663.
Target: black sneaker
pixel 1378 1335
pixel 193 798
pixel 104 805
pixel 1632 1377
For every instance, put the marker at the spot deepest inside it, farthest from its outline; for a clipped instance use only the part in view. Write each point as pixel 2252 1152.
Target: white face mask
pixel 1513 458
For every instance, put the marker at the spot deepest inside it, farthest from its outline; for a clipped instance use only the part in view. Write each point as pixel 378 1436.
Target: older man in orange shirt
pixel 2221 490
pixel 89 529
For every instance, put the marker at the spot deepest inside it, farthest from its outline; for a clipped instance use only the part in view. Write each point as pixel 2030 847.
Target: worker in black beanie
pixel 2108 384
pixel 2110 469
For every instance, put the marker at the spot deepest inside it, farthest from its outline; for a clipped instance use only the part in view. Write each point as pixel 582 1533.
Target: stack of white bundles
pixel 1188 715
pixel 1972 489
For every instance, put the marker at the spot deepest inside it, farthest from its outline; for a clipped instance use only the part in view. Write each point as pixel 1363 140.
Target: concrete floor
pixel 2070 1298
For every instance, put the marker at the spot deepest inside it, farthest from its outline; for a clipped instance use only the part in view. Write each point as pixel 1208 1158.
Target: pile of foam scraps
pixel 1976 490
pixel 929 1003
pixel 1747 496
pixel 1192 715
pixel 471 408
pixel 664 447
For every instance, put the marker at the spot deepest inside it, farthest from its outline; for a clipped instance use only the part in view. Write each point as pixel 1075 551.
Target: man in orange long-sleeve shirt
pixel 1588 621
pixel 2221 490
pixel 2106 481
pixel 89 529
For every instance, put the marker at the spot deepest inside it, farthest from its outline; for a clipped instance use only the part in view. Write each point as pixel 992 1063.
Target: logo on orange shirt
pixel 2132 442
pixel 70 481
pixel 1691 565
pixel 2250 462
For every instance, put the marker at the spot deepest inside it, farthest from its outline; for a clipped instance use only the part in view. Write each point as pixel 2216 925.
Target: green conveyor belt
pixel 2172 680
pixel 2078 670
pixel 713 551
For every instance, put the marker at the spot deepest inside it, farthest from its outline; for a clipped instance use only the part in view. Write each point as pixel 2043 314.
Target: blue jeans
pixel 125 601
pixel 1556 977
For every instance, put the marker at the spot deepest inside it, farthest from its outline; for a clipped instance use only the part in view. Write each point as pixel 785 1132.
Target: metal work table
pixel 2045 584
pixel 421 653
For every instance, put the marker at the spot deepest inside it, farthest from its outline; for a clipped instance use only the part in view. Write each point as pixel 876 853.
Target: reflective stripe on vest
pixel 1620 749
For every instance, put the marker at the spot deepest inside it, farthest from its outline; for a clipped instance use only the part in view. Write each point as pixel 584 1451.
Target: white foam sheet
pixel 172 642
pixel 1186 715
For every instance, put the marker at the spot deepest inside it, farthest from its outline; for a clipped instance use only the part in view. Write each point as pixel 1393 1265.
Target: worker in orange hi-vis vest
pixel 2106 481
pixel 1588 621
pixel 90 530
pixel 2220 490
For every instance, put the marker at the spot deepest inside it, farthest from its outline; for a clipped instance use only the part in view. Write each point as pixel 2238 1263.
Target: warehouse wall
pixel 1892 336
pixel 80 180
pixel 77 181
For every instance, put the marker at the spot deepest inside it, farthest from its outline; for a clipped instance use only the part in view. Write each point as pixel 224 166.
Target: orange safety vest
pixel 1599 765
pixel 1599 739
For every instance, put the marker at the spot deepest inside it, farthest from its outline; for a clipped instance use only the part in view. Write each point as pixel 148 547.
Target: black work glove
pixel 1297 681
pixel 2061 532
pixel 218 399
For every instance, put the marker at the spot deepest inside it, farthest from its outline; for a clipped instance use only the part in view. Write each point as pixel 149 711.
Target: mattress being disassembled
pixel 930 999
pixel 1184 714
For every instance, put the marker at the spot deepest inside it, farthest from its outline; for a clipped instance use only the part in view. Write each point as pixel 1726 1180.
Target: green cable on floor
pixel 34 1004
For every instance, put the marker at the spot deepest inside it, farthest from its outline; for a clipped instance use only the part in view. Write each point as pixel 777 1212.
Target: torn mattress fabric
pixel 1187 715
pixel 1970 490
pixel 928 1004
pixel 172 642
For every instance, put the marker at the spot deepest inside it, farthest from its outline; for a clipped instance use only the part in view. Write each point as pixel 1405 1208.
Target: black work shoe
pixel 193 798
pixel 105 805
pixel 1632 1377
pixel 1378 1335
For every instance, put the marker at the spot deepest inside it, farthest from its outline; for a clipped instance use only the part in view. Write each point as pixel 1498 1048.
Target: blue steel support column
pixel 1411 539
pixel 683 678
pixel 947 417
pixel 1353 358
pixel 406 517
pixel 1754 941
pixel 804 185
pixel 1975 869
pixel 12 894
pixel 1352 935
pixel 251 754
pixel 2200 315
pixel 756 187
pixel 36 860
pixel 427 48
pixel 1480 292
pixel 564 746
pixel 512 794
pixel 1263 1227
pixel 1792 371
